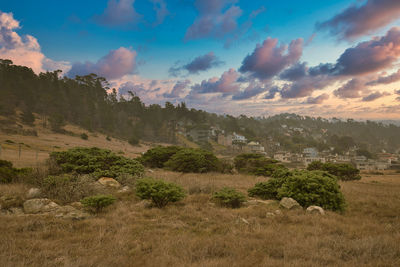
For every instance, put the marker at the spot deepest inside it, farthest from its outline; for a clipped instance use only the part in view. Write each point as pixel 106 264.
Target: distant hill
pixel 84 101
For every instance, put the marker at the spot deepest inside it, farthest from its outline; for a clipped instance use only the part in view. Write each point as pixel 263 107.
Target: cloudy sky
pixel 331 58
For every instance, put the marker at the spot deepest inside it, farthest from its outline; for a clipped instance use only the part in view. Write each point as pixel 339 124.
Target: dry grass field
pixel 195 232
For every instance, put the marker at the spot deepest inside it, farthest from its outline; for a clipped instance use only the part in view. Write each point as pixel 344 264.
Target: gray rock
pixel 278 212
pixel 289 203
pixel 69 212
pixel 125 189
pixel 111 182
pixel 33 193
pixel 270 214
pixel 39 205
pixel 315 210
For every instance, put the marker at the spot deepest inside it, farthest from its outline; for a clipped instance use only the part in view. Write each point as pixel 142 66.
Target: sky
pixel 331 58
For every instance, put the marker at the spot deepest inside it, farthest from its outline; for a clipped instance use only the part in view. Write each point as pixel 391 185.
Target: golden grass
pixel 198 233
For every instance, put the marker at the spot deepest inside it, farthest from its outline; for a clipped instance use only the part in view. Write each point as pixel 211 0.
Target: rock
pixel 278 212
pixel 16 211
pixel 150 170
pixel 289 203
pixel 39 205
pixel 125 189
pixel 106 181
pixel 145 204
pixel 242 220
pixel 33 193
pixel 315 210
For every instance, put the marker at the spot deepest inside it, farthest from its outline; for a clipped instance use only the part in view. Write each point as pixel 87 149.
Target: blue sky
pixel 151 36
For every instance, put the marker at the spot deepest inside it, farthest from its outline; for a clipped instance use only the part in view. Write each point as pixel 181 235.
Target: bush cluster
pixel 229 197
pixel 193 160
pixel 159 192
pixel 156 157
pixel 306 187
pixel 343 171
pixel 97 203
pixel 256 164
pixel 10 174
pixel 96 161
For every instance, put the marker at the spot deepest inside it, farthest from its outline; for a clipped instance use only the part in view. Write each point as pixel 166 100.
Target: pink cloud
pixel 358 20
pixel 268 59
pixel 114 65
pixel 226 84
pixel 119 13
pixel 386 79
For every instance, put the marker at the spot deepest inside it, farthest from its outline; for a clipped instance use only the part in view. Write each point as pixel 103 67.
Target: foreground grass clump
pixel 159 192
pixel 193 160
pixel 343 171
pixel 306 187
pixel 97 203
pixel 157 156
pixel 9 174
pixel 96 161
pixel 229 197
pixel 256 164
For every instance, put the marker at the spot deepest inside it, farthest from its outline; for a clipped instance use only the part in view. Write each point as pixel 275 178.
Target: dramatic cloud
pixel 358 20
pixel 373 96
pixel 114 65
pixel 178 89
pixel 386 79
pixel 23 50
pixel 272 92
pixel 366 57
pixel 268 59
pixel 306 86
pixel 250 91
pixel 317 100
pixel 295 72
pixel 200 63
pixel 216 19
pixel 119 13
pixel 160 7
pixel 227 84
pixel 351 89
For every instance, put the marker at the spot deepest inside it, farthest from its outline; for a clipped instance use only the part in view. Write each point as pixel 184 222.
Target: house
pixel 307 160
pixel 254 147
pixel 237 138
pixel 310 152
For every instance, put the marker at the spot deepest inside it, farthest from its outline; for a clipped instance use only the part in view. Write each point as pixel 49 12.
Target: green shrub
pixel 84 136
pixel 193 160
pixel 313 188
pixel 343 171
pixel 229 197
pixel 10 174
pixel 256 164
pixel 157 156
pixel 98 203
pixel 99 162
pixel 159 192
pixel 306 187
pixel 67 188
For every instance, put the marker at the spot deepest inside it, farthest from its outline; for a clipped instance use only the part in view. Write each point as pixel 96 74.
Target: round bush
pixel 157 156
pixel 98 203
pixel 343 171
pixel 159 192
pixel 229 197
pixel 193 160
pixel 306 187
pixel 256 164
pixel 99 162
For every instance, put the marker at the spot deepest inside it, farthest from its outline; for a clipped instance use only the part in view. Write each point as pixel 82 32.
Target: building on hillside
pixel 237 138
pixel 254 147
pixel 308 160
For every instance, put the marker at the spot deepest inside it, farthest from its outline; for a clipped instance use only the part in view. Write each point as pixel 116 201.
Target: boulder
pixel 39 205
pixel 33 193
pixel 289 203
pixel 111 182
pixel 315 210
pixel 125 189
